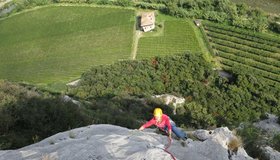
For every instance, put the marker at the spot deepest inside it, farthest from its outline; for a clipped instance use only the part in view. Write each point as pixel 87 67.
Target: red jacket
pixel 164 122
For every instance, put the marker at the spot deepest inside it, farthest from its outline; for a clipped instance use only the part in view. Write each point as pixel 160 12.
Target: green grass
pixel 55 45
pixel 271 6
pixel 178 36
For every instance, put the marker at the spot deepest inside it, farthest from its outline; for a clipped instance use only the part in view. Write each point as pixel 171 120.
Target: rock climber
pixel 164 123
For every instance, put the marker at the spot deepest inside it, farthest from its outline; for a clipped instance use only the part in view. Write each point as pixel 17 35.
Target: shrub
pixel 198 115
pixel 153 6
pixel 100 2
pixel 252 140
pixel 123 3
pixel 26 112
pixel 234 144
pixel 275 26
pixel 279 117
pixel 263 116
pixel 276 142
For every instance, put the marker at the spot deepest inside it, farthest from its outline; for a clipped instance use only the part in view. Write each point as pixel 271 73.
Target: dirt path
pixel 136 37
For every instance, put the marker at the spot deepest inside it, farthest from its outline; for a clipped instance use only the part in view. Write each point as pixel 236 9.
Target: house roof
pixel 147 18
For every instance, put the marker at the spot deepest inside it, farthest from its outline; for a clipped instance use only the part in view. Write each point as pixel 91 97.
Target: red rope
pixel 169 144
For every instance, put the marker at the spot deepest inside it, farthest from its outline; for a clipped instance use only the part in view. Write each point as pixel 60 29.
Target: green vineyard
pixel 178 37
pixel 56 44
pixel 242 50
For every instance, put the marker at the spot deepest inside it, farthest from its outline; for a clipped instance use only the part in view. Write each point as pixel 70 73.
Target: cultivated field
pixel 57 44
pixel 247 51
pixel 271 6
pixel 177 36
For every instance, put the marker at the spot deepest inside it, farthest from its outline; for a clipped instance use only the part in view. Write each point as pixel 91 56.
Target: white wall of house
pixel 148 28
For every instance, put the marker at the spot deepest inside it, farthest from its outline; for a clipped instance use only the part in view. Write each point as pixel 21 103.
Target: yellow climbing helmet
pixel 157 112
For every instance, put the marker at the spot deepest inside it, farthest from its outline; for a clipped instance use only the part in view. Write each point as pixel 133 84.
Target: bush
pixel 276 142
pixel 214 100
pixel 28 115
pixel 100 2
pixel 279 117
pixel 198 116
pixel 123 3
pixel 234 144
pixel 275 26
pixel 219 11
pixel 252 140
pixel 153 6
pixel 143 78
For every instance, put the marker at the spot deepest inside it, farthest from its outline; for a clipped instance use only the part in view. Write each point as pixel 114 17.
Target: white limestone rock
pixel 114 142
pixel 270 153
pixel 202 134
pixel 269 125
pixel 171 100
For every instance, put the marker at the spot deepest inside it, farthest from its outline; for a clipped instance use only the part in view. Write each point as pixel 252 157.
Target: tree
pixel 124 3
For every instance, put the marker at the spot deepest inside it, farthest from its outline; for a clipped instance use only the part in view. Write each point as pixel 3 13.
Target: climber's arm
pixel 148 124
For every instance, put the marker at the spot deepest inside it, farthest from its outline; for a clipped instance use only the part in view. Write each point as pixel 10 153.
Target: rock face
pixel 270 153
pixel 271 128
pixel 171 100
pixel 98 142
pixel 202 134
pixel 74 83
pixel 269 125
pixel 215 145
pixel 66 98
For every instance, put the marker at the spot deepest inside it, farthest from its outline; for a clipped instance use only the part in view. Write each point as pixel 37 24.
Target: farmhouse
pixel 148 21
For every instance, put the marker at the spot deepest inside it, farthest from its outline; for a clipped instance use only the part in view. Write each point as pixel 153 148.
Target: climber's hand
pixel 170 138
pixel 169 135
pixel 141 128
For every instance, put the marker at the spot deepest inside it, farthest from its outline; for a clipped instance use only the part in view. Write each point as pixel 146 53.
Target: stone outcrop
pixel 270 153
pixel 269 125
pixel 217 145
pixel 171 100
pixel 113 142
pixel 271 128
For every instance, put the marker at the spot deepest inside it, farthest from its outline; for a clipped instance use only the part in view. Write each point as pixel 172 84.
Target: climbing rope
pixel 135 132
pixel 168 145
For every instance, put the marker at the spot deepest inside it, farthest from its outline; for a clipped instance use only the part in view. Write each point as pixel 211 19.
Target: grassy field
pixel 271 6
pixel 175 36
pixel 54 45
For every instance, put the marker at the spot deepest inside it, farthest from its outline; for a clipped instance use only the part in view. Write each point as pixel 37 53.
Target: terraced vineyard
pixel 247 51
